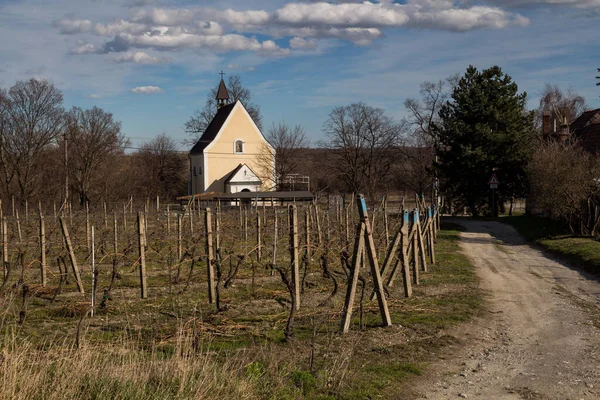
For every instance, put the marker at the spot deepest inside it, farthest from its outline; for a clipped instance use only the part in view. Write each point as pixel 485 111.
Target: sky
pixel 151 63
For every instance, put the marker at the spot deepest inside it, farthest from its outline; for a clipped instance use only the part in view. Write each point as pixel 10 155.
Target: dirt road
pixel 539 335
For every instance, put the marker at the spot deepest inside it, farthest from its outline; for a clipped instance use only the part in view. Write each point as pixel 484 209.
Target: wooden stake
pixel 115 237
pixel 421 246
pixel 359 249
pixel 105 215
pixel 293 218
pixel 168 220
pixel 5 247
pixel 372 256
pixel 179 241
pixel 258 238
pixel 210 268
pixel 274 263
pixel 430 235
pixel 88 233
pixel 142 254
pixel 19 227
pixel 70 250
pixel 415 246
pixel 402 261
pixel 307 238
pixel 43 250
pixel 93 254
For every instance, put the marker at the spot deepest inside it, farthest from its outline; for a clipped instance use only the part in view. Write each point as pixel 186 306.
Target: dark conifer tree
pixel 484 129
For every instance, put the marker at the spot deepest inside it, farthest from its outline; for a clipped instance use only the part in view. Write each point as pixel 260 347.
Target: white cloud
pixel 303 44
pixel 84 48
pixel 569 3
pixel 140 57
pixel 240 67
pixel 94 96
pixel 71 26
pixel 147 89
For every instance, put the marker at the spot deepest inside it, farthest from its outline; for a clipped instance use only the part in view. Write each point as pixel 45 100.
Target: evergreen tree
pixel 484 129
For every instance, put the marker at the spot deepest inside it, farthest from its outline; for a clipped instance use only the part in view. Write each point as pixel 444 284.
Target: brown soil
pixel 538 336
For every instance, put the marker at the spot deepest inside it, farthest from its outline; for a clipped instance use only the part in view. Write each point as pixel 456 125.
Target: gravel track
pixel 538 336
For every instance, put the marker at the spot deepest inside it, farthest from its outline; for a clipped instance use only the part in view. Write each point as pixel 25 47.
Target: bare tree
pixel 420 137
pixel 288 144
pixel 32 118
pixel 561 106
pixel 164 167
pixel 364 143
pixel 95 138
pixel 199 121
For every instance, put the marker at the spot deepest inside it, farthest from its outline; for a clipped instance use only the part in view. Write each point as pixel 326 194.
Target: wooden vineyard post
pixel 258 238
pixel 372 256
pixel 421 246
pixel 415 246
pixel 245 222
pixel 307 238
pixel 124 217
pixel 43 250
pixel 319 235
pixel 179 244
pixel 359 249
pixel 88 233
pixel 65 232
pixel 142 255
pixel 210 259
pixel 431 234
pixel 218 231
pixel 5 247
pixel 403 260
pixel 168 220
pixel 105 215
pixel 19 227
pixel 293 218
pixel 115 237
pixel 274 261
pixel 386 223
pixel 93 255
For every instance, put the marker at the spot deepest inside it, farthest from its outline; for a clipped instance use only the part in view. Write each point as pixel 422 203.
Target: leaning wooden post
pixel 65 232
pixel 386 223
pixel 43 250
pixel 293 218
pixel 359 246
pixel 19 227
pixel 115 237
pixel 142 255
pixel 258 238
pixel 422 253
pixel 275 233
pixel 210 259
pixel 403 262
pixel 415 246
pixel 372 256
pixel 317 220
pixel 431 234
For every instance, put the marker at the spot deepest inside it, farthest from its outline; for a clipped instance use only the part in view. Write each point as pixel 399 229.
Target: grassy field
pixel 581 251
pixel 176 345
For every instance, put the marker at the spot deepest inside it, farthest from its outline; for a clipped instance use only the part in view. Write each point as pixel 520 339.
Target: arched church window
pixel 239 146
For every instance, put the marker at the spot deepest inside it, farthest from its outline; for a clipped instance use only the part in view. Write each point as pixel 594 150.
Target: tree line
pixel 48 153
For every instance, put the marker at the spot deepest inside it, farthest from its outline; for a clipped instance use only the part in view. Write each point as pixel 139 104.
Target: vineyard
pixel 214 296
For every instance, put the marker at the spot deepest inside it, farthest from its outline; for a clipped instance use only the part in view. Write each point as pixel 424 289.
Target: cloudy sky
pixel 151 62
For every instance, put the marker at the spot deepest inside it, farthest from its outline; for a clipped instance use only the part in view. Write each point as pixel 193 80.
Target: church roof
pixel 222 93
pixel 213 129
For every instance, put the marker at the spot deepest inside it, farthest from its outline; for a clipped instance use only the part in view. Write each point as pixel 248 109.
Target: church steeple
pixel 222 93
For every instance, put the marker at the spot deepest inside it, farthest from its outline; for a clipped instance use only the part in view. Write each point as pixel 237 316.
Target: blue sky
pixel 152 62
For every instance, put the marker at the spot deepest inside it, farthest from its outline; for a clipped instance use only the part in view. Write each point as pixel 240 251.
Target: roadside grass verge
pixel 174 346
pixel 580 251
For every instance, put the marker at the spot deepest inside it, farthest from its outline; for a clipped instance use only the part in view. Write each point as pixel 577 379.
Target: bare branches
pixel 364 141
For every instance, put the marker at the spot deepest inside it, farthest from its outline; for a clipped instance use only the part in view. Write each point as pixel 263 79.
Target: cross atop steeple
pixel 222 74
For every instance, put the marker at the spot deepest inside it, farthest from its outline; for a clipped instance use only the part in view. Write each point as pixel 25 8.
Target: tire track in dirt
pixel 538 336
